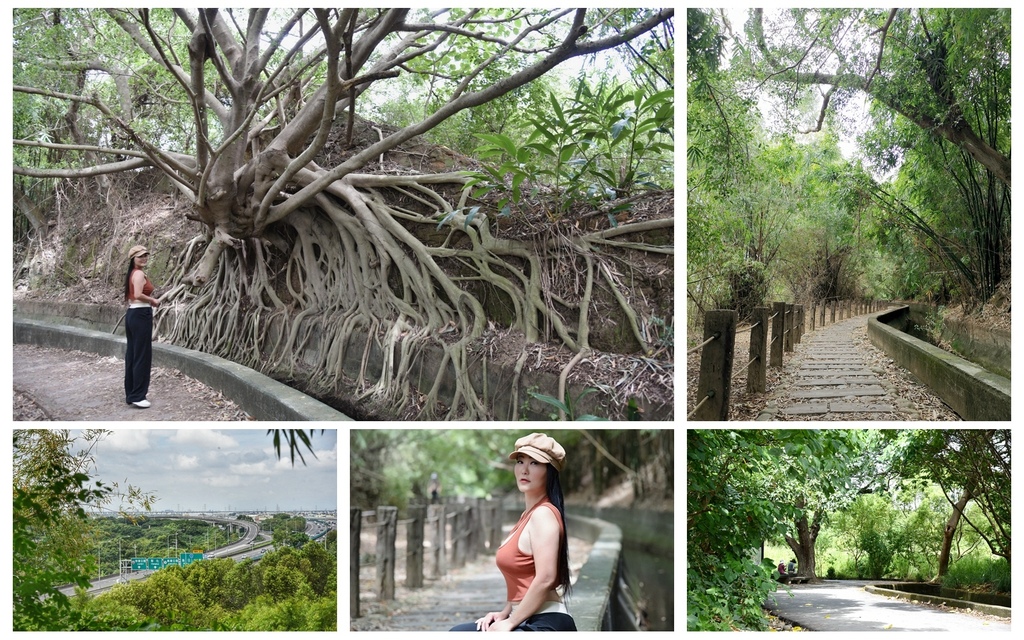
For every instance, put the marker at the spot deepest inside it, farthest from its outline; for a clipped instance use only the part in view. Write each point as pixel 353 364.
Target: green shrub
pixel 972 572
pixel 725 596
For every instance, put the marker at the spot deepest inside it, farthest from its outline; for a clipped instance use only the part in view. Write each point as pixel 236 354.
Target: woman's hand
pixel 501 625
pixel 485 623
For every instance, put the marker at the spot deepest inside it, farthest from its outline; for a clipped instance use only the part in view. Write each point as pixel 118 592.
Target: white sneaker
pixel 142 404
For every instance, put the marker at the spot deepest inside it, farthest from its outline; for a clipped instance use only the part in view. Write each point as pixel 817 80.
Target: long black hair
pixel 128 277
pixel 554 488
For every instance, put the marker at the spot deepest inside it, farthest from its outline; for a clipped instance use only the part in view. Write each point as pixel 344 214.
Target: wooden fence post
pixel 788 328
pixel 778 323
pixel 715 379
pixel 496 522
pixel 354 528
pixel 459 537
pixel 758 351
pixel 476 528
pixel 387 527
pixel 834 303
pixel 799 323
pixel 814 313
pixel 414 556
pixel 439 522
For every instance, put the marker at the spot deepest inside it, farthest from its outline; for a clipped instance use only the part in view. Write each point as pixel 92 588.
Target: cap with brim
pixel 541 447
pixel 137 251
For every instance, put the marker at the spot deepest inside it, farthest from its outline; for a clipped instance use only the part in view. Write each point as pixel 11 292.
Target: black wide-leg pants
pixel 538 622
pixel 138 357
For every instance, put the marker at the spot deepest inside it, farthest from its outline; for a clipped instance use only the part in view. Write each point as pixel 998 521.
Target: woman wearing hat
pixel 138 327
pixel 534 559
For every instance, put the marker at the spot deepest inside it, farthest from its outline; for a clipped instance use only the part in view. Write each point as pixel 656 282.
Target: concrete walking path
pixel 845 606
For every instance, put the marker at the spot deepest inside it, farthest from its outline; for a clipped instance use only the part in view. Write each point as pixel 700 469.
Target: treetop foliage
pixel 916 100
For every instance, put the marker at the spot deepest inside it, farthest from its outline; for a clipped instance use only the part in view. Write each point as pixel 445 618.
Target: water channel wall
pixel 973 392
pixel 987 346
pixel 261 397
pixel 990 609
pixel 492 382
pixel 597 601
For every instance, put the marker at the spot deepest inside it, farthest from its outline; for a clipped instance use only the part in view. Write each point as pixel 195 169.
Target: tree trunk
pixel 947 535
pixel 803 545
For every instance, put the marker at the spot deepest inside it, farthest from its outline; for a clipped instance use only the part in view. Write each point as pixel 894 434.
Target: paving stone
pixel 858 407
pixel 832 381
pixel 806 409
pixel 836 373
pixel 839 393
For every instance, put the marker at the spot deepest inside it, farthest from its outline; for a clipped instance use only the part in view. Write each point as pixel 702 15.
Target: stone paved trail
pixel 832 376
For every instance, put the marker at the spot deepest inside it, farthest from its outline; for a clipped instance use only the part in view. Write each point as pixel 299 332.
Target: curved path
pixel 74 385
pixel 835 373
pixel 846 606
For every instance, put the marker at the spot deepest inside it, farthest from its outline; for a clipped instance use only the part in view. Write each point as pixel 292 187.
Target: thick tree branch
pixel 569 49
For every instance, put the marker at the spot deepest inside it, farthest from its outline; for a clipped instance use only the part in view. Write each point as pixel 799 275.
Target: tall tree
pixel 748 486
pixel 236 110
pixel 969 465
pixel 51 540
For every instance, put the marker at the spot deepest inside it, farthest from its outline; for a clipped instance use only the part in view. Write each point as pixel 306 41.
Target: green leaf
pixel 469 217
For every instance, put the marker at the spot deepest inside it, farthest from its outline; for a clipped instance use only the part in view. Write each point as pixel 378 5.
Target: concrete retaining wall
pixel 261 397
pixel 968 338
pixel 990 609
pixel 593 594
pixel 973 392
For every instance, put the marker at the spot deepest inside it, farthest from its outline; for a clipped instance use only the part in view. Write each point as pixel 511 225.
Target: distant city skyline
pixel 221 469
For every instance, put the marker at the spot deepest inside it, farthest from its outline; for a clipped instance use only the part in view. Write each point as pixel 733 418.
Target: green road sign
pixel 140 564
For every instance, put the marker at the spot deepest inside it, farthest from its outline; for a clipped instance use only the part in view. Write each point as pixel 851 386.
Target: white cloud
pixel 245 469
pixel 182 461
pixel 204 438
pixel 128 440
pixel 223 481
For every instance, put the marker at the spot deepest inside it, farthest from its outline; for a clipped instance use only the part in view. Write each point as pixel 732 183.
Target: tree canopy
pixel 872 495
pixel 312 221
pixel 882 136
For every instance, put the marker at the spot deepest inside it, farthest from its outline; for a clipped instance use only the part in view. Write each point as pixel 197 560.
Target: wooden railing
pixel 788 324
pixel 436 536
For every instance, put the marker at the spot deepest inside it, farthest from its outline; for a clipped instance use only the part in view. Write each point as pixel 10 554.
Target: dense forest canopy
pixel 907 504
pixel 394 467
pixel 839 153
pixel 313 222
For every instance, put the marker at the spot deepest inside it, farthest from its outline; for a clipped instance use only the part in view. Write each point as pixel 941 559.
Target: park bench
pixel 791 579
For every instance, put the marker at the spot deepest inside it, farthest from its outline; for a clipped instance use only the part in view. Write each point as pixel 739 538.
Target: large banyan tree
pixel 244 114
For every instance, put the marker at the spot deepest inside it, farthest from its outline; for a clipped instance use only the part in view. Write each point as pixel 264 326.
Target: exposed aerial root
pixel 351 283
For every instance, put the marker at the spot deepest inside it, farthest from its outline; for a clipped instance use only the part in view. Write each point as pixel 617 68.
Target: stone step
pixel 806 409
pixel 823 381
pixel 839 393
pixel 861 407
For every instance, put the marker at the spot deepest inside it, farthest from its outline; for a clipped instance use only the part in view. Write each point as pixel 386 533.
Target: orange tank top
pixel 517 567
pixel 147 288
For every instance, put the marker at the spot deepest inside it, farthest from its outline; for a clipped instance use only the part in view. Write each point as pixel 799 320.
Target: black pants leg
pixel 538 622
pixel 138 357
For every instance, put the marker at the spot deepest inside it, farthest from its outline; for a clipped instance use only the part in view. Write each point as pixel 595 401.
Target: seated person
pixel 792 566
